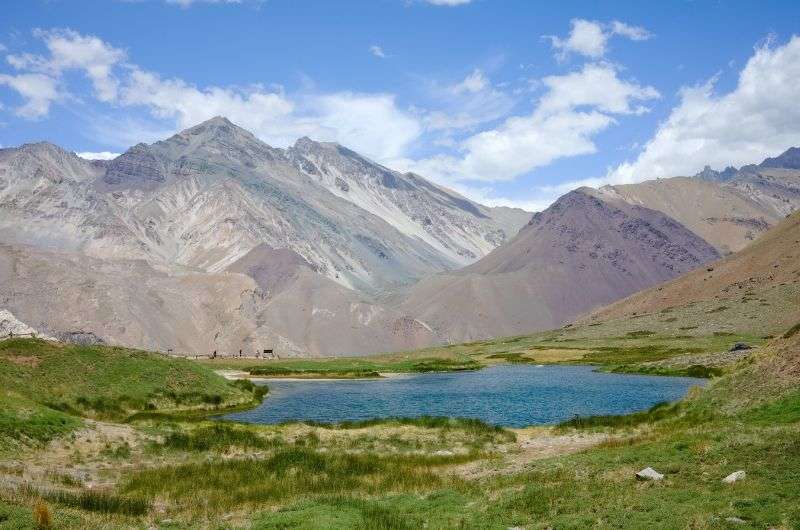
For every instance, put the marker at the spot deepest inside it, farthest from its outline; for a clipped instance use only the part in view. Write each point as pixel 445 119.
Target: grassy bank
pixel 349 367
pixel 634 351
pixel 111 383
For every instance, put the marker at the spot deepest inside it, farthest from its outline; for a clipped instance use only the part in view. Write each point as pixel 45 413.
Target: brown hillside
pixel 585 251
pixel 767 270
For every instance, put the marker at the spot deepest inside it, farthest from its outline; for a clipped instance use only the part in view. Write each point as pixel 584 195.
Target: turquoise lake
pixel 508 395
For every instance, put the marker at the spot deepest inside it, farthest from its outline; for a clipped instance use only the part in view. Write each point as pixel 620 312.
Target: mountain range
pixel 213 240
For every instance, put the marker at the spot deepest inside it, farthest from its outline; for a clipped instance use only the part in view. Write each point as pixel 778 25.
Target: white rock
pixel 10 325
pixel 734 477
pixel 735 520
pixel 649 473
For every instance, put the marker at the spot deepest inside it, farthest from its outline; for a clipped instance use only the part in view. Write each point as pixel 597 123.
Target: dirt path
pixel 533 443
pixel 85 458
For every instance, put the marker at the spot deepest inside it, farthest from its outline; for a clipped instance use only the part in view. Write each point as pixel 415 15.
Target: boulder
pixel 734 477
pixel 740 346
pixel 649 473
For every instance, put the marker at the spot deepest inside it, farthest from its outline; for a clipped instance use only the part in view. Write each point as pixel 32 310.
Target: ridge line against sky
pixel 517 121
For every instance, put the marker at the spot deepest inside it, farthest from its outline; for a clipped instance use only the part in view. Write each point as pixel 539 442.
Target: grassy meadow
pixel 66 462
pixel 636 350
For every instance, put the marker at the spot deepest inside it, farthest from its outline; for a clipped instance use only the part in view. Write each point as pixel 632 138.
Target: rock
pixel 735 520
pixel 740 346
pixel 649 473
pixel 734 477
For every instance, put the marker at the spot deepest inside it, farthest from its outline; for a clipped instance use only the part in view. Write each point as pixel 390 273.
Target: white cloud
pixel 189 3
pixel 38 90
pixel 575 108
pixel 70 50
pixel 102 155
pixel 631 32
pixel 759 117
pixel 372 124
pixel 466 104
pixel 595 85
pixel 449 3
pixel 590 38
pixel 377 51
pixel 474 82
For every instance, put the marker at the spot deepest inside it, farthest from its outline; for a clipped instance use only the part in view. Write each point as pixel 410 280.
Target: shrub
pixel 640 333
pixel 98 501
pixel 697 370
pixel 41 516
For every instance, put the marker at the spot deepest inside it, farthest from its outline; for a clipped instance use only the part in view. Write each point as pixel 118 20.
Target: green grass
pixel 401 473
pixel 217 436
pixel 656 413
pixel 97 501
pixel 474 429
pixel 109 382
pixel 781 411
pixel 348 367
pixel 25 423
pixel 290 474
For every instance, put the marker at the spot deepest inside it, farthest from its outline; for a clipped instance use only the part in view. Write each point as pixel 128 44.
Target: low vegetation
pixel 422 472
pixel 348 367
pixel 112 383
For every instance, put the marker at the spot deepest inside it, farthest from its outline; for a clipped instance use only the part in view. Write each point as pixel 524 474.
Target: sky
pixel 509 102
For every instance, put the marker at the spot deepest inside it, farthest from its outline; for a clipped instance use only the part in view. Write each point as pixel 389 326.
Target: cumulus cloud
pixel 38 90
pixel 102 155
pixel 370 123
pixel 759 117
pixel 574 108
pixel 590 38
pixel 377 51
pixel 70 50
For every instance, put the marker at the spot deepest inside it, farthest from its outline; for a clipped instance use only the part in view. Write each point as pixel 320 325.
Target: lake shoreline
pixel 510 395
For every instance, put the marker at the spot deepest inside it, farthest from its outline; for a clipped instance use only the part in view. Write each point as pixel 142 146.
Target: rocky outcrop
pixel 10 327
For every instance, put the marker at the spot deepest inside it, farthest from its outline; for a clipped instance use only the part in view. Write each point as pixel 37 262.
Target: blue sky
pixel 510 102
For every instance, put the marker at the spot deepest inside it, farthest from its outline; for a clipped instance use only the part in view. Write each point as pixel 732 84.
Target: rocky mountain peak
pixel 720 176
pixel 218 128
pixel 45 160
pixel 789 159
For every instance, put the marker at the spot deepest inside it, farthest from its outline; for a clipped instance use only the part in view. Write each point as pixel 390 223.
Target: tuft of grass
pixel 41 516
pixel 98 501
pixel 219 436
pixel 656 413
pixel 639 333
pixel 791 332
